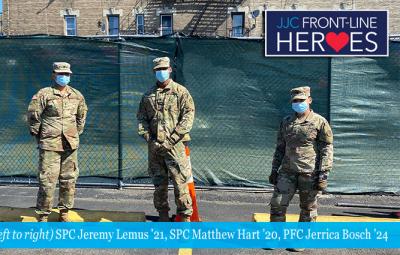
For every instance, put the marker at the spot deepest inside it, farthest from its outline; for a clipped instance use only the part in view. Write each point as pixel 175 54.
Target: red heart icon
pixel 337 41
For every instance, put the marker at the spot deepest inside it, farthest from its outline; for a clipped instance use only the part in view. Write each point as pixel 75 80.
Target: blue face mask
pixel 300 107
pixel 162 75
pixel 62 80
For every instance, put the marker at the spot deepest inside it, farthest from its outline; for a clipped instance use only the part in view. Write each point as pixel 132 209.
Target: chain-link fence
pixel 240 98
pixel 25 67
pixel 365 111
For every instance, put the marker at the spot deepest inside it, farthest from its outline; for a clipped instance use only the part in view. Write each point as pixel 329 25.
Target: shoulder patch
pixel 329 133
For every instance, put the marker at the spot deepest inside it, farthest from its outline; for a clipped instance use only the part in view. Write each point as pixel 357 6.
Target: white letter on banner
pixel 315 41
pixel 372 42
pixel 279 41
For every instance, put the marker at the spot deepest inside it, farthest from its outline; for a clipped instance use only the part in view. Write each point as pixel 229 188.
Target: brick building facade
pixel 154 17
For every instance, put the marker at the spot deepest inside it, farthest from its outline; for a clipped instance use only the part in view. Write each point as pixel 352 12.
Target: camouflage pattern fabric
pixel 52 116
pixel 176 165
pixel 57 120
pixel 166 113
pixel 304 146
pixel 285 189
pixel 165 118
pixel 54 166
pixel 304 150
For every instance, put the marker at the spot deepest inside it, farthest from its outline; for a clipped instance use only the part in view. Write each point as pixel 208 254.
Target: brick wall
pixel 201 17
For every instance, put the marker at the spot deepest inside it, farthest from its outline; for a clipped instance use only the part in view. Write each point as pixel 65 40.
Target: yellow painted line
pixel 28 219
pixel 264 217
pixel 185 252
pixel 11 214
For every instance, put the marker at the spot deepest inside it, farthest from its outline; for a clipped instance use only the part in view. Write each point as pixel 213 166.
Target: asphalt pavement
pixel 214 206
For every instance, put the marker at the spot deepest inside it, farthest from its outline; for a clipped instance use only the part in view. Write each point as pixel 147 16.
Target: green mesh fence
pixel 365 111
pixel 238 106
pixel 240 98
pixel 25 67
pixel 136 63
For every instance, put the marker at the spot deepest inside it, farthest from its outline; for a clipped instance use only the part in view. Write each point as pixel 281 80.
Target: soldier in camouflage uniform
pixel 165 117
pixel 56 117
pixel 302 159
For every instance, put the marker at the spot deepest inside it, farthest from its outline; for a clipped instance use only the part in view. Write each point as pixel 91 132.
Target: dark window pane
pixel 237 25
pixel 70 25
pixel 166 25
pixel 140 23
pixel 113 25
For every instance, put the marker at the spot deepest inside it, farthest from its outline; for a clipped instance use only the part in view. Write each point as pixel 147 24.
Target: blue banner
pixel 326 33
pixel 200 235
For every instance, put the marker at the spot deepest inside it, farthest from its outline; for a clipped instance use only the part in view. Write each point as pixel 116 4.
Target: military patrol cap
pixel 300 93
pixel 61 67
pixel 161 63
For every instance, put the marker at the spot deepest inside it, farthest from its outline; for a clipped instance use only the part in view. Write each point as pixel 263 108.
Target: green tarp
pixel 240 98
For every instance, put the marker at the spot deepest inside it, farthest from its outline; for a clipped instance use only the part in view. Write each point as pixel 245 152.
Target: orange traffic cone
pixel 195 216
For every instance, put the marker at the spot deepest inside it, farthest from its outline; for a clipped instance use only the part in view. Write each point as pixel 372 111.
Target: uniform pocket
pixel 45 132
pixel 53 108
pixel 76 170
pixel 172 103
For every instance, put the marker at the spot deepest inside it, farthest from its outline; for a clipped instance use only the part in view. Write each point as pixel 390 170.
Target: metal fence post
pixel 120 183
pixel 329 88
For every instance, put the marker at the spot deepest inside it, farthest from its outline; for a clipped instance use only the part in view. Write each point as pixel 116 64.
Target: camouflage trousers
pixel 284 190
pixel 56 166
pixel 175 165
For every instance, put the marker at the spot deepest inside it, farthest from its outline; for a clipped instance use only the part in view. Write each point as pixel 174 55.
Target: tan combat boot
pixel 43 218
pixel 185 218
pixel 63 217
pixel 163 216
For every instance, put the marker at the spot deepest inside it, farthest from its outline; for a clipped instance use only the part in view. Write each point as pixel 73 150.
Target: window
pixel 140 24
pixel 237 24
pixel 166 24
pixel 70 25
pixel 113 24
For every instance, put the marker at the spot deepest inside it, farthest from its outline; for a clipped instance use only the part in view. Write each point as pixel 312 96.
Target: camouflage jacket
pixel 166 113
pixel 304 146
pixel 54 118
